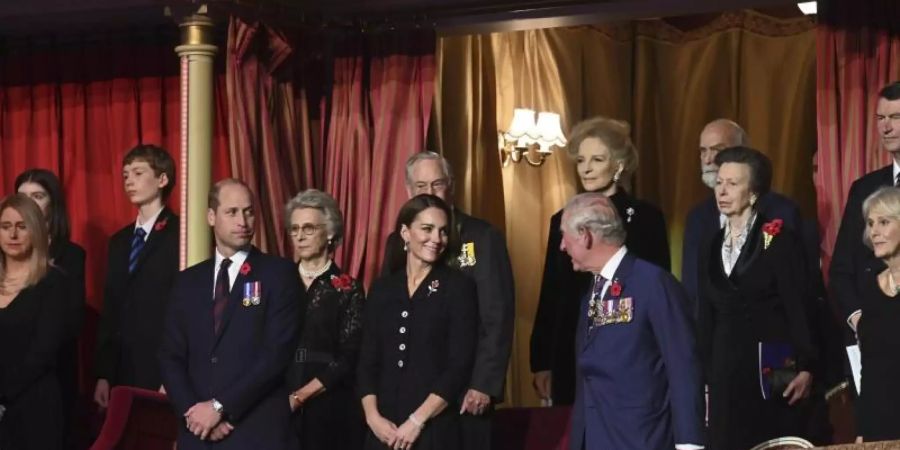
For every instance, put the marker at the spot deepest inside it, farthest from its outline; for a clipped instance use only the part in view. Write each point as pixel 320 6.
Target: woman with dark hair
pixel 755 335
pixel 322 374
pixel 32 327
pixel 418 340
pixel 44 188
pixel 605 159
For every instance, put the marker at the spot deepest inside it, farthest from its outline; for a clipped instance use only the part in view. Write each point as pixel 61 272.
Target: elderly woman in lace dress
pixel 321 375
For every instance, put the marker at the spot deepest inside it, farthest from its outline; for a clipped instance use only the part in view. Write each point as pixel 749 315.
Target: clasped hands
pixel 396 438
pixel 206 423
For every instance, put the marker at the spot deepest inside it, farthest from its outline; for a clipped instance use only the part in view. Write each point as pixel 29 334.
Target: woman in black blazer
pixel 418 340
pixel 755 334
pixel 32 328
pixel 44 188
pixel 605 158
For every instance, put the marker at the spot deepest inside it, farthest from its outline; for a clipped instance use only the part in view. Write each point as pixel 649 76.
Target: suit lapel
pixel 161 227
pixel 752 249
pixel 235 296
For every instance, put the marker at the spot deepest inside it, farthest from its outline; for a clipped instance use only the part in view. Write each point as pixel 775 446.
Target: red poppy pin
pixel 342 282
pixel 161 224
pixel 616 289
pixel 245 268
pixel 770 230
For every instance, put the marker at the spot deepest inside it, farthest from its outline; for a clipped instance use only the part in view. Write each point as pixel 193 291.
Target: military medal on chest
pixel 467 255
pixel 252 293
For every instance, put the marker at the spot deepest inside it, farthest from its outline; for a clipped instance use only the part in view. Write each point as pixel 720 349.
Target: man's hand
pixel 220 431
pixel 202 418
pixel 799 387
pixel 475 402
pixel 101 393
pixel 542 382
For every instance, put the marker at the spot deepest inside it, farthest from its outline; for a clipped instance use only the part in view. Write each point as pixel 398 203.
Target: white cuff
pixel 688 447
pixel 858 312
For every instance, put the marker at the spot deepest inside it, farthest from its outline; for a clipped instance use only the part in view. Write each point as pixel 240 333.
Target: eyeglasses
pixel 438 185
pixel 307 229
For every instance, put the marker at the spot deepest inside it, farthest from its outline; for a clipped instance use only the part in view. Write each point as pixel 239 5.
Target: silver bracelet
pixel 416 422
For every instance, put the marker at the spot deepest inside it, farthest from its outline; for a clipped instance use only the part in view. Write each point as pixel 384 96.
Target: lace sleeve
pixel 349 335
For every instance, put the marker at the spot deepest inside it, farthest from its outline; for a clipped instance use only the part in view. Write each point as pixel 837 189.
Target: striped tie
pixel 137 243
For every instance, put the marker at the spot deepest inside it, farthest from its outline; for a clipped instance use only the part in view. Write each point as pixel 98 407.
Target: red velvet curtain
pixel 858 51
pixel 271 146
pixel 75 107
pixel 383 87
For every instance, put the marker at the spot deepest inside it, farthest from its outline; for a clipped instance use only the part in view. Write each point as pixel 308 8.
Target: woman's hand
pixel 384 430
pixel 407 435
pixel 294 402
pixel 799 387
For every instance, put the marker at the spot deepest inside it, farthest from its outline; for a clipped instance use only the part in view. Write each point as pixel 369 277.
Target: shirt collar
pixel 896 168
pixel 237 260
pixel 148 225
pixel 609 270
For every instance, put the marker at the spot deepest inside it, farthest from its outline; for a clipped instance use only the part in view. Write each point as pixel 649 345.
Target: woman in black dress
pixel 605 158
pixel 878 328
pixel 32 327
pixel 754 332
pixel 44 188
pixel 418 339
pixel 322 374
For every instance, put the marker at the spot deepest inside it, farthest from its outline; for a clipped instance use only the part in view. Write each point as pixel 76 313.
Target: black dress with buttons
pixel 414 347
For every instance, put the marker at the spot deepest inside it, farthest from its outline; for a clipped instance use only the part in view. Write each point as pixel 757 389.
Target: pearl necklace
pixel 313 274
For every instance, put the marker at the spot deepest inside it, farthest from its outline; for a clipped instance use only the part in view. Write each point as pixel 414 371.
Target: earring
pixel 405 246
pixel 752 200
pixel 616 177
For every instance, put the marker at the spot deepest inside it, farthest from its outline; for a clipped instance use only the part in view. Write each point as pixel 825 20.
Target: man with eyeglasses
pixel 479 250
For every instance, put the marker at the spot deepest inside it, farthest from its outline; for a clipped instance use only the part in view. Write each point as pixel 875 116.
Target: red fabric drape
pixel 268 148
pixel 76 107
pixel 858 50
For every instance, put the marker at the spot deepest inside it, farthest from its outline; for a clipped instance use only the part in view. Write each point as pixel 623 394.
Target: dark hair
pixel 57 214
pixel 212 199
pixel 158 159
pixel 408 213
pixel 760 166
pixel 890 92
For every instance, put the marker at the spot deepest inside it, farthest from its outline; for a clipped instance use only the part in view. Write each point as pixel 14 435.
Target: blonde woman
pixel 32 328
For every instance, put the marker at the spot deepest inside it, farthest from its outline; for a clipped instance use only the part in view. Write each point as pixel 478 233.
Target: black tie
pixel 220 297
pixel 137 243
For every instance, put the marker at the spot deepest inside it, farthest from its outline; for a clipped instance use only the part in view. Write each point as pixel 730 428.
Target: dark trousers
pixel 476 430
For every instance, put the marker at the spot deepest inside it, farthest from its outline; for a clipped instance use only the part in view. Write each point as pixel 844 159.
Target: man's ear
pixel 588 239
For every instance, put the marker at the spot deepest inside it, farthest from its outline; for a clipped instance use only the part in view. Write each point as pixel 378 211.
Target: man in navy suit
pixel 229 334
pixel 638 382
pixel 704 219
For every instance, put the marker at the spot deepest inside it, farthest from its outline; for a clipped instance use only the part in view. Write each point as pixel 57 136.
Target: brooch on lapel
pixel 630 213
pixel 770 230
pixel 467 255
pixel 342 283
pixel 252 293
pixel 161 224
pixel 433 287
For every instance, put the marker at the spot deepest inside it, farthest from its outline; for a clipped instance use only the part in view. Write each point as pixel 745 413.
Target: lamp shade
pixel 522 127
pixel 549 131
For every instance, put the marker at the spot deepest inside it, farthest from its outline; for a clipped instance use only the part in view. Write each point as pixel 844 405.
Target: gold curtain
pixel 667 83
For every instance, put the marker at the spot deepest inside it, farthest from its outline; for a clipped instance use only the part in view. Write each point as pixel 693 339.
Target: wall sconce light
pixel 525 136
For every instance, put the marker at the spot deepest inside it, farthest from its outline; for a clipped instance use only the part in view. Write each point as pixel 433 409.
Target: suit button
pixel 404 314
pixel 402 347
pixel 214 359
pixel 402 330
pixel 400 363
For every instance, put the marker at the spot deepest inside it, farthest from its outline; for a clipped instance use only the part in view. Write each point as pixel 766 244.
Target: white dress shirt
pixel 237 260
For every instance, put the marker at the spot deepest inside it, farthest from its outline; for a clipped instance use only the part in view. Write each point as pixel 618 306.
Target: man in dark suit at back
pixel 229 333
pixel 142 263
pixel 479 250
pixel 704 219
pixel 852 260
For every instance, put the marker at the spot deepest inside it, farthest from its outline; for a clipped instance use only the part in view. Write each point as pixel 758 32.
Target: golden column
pixel 197 51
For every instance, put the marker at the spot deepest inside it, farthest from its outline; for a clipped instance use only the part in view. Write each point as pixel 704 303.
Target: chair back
pixel 137 419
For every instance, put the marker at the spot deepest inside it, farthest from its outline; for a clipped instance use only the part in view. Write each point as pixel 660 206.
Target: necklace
pixel 313 274
pixel 892 285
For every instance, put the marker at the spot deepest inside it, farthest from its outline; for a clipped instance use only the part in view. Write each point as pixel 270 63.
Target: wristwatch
pixel 217 407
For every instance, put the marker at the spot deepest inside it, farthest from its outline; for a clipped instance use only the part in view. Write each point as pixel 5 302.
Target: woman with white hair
pixel 322 374
pixel 877 329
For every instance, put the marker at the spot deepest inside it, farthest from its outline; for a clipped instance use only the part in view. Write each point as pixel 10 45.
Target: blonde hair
pixel 37 229
pixel 886 199
pixel 614 134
